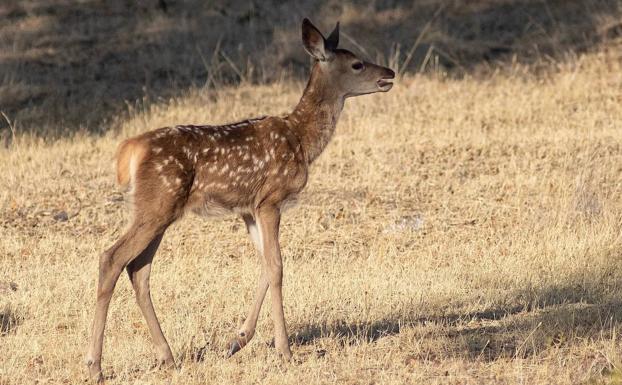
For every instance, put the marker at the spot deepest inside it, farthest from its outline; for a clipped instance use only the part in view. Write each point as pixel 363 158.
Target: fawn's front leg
pixel 247 330
pixel 268 217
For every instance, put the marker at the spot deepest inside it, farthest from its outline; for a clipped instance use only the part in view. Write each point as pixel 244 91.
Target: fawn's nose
pixel 390 74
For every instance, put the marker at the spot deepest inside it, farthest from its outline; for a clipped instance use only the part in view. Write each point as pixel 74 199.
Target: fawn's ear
pixel 332 41
pixel 314 42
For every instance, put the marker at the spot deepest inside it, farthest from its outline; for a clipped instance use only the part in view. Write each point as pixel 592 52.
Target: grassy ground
pixel 455 231
pixel 68 65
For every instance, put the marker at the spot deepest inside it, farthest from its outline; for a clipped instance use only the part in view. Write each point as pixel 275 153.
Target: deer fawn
pixel 250 168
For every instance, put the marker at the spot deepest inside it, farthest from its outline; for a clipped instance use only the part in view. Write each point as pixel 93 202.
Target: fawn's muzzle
pixel 383 84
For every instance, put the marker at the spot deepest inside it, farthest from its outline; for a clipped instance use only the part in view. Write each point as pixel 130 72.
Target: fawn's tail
pixel 130 154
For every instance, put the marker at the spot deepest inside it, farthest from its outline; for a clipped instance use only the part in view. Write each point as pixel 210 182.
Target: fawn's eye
pixel 358 66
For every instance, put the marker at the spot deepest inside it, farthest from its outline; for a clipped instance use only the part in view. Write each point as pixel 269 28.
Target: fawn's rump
pixel 130 154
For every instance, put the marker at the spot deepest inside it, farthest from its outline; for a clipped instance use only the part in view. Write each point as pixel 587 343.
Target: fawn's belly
pixel 212 209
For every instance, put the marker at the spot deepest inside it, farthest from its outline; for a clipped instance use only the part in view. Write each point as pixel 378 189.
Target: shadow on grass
pixel 8 321
pixel 75 66
pixel 556 317
pixel 553 317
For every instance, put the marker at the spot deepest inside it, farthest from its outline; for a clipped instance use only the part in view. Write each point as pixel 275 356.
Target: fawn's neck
pixel 315 117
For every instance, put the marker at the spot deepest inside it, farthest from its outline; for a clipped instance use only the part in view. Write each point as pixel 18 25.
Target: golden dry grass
pixel 454 231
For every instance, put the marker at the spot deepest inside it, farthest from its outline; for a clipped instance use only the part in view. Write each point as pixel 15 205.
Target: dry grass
pixel 455 231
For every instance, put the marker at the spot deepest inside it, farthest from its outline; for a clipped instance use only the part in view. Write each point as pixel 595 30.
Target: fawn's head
pixel 343 70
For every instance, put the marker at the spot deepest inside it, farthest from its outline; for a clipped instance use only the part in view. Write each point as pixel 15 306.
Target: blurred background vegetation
pixel 69 66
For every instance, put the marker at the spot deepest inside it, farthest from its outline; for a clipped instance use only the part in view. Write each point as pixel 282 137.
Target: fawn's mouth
pixel 384 84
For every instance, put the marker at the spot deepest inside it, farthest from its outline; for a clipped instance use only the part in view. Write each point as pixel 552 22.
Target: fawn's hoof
pixel 234 347
pixel 95 372
pixel 165 363
pixel 99 379
pixel 286 355
pixel 283 350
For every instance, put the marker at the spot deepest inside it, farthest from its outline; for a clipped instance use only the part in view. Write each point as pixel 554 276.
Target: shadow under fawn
pixel 251 168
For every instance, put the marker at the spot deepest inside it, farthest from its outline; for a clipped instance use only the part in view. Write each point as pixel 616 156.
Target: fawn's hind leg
pixel 139 270
pixel 111 264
